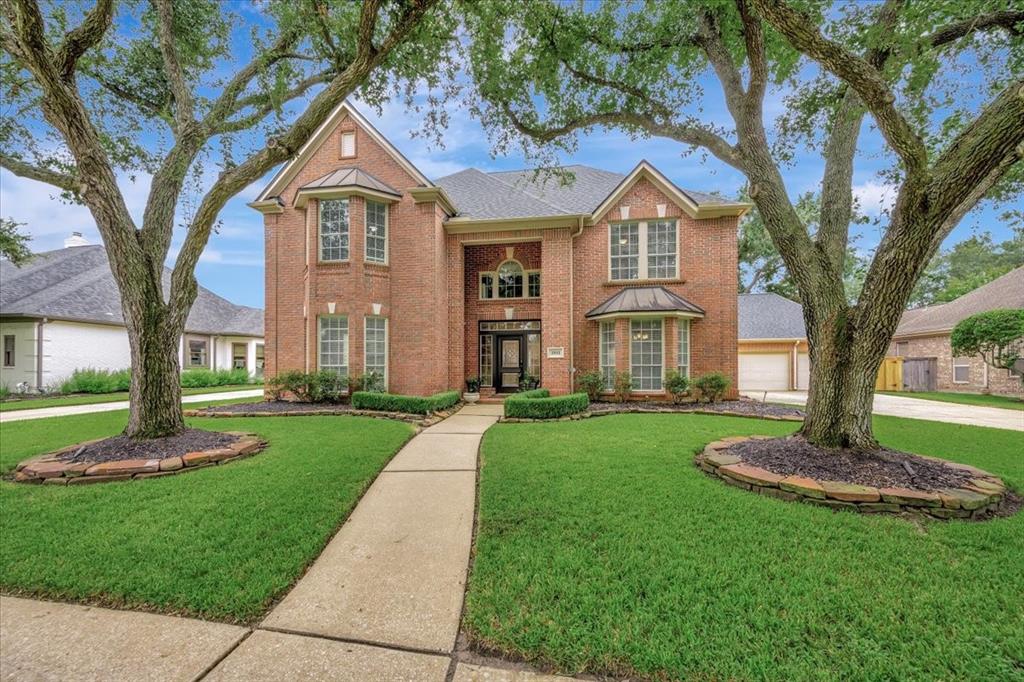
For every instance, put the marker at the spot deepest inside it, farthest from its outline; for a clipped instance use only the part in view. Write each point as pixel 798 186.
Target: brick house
pixel 922 340
pixel 371 266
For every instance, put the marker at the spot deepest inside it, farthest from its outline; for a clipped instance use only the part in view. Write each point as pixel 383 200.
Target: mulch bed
pixel 751 408
pixel 884 468
pixel 122 447
pixel 276 406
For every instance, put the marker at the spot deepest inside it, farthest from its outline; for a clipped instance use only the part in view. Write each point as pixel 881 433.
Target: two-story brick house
pixel 371 266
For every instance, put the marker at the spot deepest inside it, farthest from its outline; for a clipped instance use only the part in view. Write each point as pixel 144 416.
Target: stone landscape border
pixel 50 470
pixel 649 410
pixel 416 419
pixel 979 498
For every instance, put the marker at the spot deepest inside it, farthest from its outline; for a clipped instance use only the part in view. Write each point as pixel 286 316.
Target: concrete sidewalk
pixel 382 602
pixel 66 410
pixel 915 408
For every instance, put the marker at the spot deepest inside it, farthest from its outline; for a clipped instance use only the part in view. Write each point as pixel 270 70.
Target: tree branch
pixel 753 37
pixel 264 105
pixel 27 170
pixel 801 32
pixel 1007 20
pixel 183 101
pixel 81 38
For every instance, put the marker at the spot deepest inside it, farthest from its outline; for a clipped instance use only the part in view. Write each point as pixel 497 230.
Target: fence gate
pixel 919 374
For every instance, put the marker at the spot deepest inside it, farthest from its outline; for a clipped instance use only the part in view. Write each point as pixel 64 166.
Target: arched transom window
pixel 510 280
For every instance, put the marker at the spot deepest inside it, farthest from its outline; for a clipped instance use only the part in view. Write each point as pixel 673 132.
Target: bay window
pixel 607 353
pixel 376 232
pixel 683 348
pixel 375 350
pixel 646 354
pixel 332 343
pixel 333 229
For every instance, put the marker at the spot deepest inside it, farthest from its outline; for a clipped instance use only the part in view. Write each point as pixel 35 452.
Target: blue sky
pixel 232 265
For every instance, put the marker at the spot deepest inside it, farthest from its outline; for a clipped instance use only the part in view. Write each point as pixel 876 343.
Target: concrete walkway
pixel 382 602
pixel 915 408
pixel 66 410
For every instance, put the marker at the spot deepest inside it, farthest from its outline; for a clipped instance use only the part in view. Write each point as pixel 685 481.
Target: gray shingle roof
pixel 351 177
pixel 769 316
pixel 645 300
pixel 76 284
pixel 528 194
pixel 1003 292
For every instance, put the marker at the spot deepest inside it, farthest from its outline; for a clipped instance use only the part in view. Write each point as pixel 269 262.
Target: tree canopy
pixel 996 335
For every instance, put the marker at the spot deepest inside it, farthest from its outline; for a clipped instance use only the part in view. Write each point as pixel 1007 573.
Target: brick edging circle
pixel 983 494
pixel 49 470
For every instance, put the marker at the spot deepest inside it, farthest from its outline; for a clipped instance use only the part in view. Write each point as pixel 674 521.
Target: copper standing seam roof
pixel 645 300
pixel 351 177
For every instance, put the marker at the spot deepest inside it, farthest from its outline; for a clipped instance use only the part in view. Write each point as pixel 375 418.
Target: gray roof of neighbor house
pixel 351 177
pixel 1003 292
pixel 76 284
pixel 769 316
pixel 528 194
pixel 645 300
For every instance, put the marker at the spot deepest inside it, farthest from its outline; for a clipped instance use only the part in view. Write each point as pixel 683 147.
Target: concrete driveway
pixel 915 408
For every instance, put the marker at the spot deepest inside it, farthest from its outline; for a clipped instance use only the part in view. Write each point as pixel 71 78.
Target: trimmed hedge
pixel 411 404
pixel 539 404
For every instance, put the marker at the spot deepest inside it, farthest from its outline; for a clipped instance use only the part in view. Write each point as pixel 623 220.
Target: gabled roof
pixel 1004 292
pixel 640 300
pixel 769 316
pixel 76 284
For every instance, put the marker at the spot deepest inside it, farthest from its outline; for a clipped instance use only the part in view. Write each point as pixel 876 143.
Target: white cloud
pixel 874 197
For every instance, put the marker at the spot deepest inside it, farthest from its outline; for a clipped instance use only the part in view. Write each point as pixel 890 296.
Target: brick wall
pixel 998 380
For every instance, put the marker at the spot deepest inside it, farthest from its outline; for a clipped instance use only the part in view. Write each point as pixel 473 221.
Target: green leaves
pixel 996 335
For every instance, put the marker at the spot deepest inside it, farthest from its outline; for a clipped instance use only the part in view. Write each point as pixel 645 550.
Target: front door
pixel 510 369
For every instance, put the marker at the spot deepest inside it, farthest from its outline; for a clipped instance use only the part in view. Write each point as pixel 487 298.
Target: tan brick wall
pixel 998 380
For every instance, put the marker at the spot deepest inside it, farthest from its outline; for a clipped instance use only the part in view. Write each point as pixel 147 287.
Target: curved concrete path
pixel 915 408
pixel 382 602
pixel 66 410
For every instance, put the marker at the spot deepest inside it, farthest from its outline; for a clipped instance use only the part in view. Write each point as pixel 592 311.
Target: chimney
pixel 76 239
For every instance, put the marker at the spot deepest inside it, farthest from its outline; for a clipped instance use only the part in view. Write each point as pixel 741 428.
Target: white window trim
pixel 319 231
pixel 629 339
pixel 14 350
pixel 319 341
pixel 366 229
pixel 681 324
pixel 387 345
pixel 341 145
pixel 966 364
pixel 601 353
pixel 642 255
pixel 494 283
pixel 188 352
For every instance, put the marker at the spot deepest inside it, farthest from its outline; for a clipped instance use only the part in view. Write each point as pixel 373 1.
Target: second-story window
pixel 333 229
pixel 376 232
pixel 510 280
pixel 643 250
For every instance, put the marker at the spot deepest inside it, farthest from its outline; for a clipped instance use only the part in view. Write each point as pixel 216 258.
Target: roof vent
pixel 76 239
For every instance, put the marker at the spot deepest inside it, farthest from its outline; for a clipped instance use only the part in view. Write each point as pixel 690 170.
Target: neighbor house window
pixel 348 145
pixel 8 350
pixel 486 360
pixel 239 356
pixel 643 250
pixel 197 353
pixel 333 229
pixel 607 352
pixel 645 350
pixel 510 280
pixel 376 232
pixel 961 370
pixel 375 349
pixel 901 349
pixel 683 348
pixel 333 344
pixel 259 359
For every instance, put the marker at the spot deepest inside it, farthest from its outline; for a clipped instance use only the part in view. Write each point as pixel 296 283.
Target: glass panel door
pixel 511 362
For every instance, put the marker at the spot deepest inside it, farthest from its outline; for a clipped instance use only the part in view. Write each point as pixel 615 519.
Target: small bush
pixel 538 404
pixel 677 384
pixel 410 404
pixel 712 386
pixel 5 392
pixel 326 386
pixel 371 381
pixel 473 385
pixel 623 386
pixel 97 381
pixel 591 383
pixel 205 378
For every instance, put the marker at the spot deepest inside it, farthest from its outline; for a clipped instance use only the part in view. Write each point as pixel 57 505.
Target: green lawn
pixel 1008 402
pixel 602 549
pixel 221 543
pixel 91 399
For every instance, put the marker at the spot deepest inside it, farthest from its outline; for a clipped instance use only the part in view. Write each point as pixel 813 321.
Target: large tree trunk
pixel 156 374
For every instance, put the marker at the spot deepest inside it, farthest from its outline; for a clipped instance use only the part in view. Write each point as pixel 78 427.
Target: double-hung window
pixel 8 350
pixel 961 370
pixel 683 348
pixel 608 354
pixel 333 344
pixel 376 232
pixel 333 229
pixel 643 250
pixel 375 351
pixel 646 354
pixel 197 353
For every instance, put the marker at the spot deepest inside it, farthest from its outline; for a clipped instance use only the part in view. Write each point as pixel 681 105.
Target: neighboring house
pixel 922 340
pixel 772 344
pixel 61 311
pixel 371 266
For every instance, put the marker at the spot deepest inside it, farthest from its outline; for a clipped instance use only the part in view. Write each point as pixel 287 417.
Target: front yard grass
pixel 985 400
pixel 13 404
pixel 602 549
pixel 221 543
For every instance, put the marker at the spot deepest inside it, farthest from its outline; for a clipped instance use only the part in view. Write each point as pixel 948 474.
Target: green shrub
pixel 591 383
pixel 205 378
pixel 623 386
pixel 371 381
pixel 5 392
pixel 410 404
pixel 677 384
pixel 326 386
pixel 91 380
pixel 539 404
pixel 712 386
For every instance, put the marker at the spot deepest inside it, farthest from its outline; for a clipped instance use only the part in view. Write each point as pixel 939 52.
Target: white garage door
pixel 764 372
pixel 803 371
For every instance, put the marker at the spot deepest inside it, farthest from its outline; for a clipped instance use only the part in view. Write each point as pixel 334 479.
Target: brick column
pixel 556 309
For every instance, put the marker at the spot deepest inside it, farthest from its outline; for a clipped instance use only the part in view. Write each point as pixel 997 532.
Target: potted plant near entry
pixel 472 393
pixel 529 382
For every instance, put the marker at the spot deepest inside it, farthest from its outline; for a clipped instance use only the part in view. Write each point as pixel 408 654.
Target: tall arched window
pixel 510 280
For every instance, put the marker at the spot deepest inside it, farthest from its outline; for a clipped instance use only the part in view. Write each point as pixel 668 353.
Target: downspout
pixel 39 355
pixel 572 306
